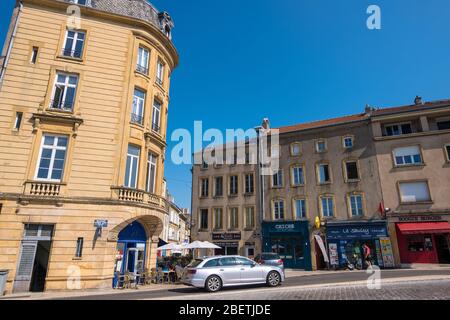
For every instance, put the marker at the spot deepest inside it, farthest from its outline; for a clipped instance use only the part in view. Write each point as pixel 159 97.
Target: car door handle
pixel 222 270
pixel 242 268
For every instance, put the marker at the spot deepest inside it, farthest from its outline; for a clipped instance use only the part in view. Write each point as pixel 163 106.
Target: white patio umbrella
pixel 201 245
pixel 172 246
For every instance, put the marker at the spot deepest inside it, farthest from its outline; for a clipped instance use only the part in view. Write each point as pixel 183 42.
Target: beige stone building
pixel 224 203
pixel 84 97
pixel 327 170
pixel 413 152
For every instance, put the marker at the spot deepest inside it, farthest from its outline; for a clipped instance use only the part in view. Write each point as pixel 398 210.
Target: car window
pixel 211 263
pixel 227 262
pixel 244 261
pixel 195 263
pixel 270 256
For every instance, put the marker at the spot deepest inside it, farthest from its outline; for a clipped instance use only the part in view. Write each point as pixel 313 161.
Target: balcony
pixel 61 105
pixel 44 188
pixel 142 69
pixel 156 128
pixel 138 196
pixel 72 53
pixel 137 119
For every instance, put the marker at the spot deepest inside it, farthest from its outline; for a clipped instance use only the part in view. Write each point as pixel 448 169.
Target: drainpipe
pixel 261 202
pixel 11 42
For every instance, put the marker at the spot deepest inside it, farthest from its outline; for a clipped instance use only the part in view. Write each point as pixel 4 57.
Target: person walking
pixel 367 255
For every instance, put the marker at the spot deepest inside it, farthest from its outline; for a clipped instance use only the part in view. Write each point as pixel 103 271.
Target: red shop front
pixel 424 242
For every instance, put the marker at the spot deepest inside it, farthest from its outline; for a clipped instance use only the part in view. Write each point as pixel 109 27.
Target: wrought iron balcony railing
pixel 72 53
pixel 142 69
pixel 136 118
pixel 61 105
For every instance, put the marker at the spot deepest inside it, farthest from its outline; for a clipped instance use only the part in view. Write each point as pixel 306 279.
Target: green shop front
pixel 290 239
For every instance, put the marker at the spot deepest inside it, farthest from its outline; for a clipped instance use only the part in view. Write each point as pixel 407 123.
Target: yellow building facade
pixel 84 97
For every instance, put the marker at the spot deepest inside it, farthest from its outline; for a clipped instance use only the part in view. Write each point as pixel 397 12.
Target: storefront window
pixel 420 243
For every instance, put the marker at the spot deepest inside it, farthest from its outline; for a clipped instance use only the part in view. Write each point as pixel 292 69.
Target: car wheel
pixel 273 279
pixel 213 284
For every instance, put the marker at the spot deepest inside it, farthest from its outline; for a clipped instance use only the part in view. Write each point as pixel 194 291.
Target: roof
pixel 364 116
pixel 323 123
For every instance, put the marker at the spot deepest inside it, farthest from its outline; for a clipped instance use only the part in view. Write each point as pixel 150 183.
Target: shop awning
pixel 424 227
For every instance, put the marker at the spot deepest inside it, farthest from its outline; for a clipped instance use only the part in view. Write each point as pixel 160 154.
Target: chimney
pixel 266 123
pixel 418 100
pixel 368 110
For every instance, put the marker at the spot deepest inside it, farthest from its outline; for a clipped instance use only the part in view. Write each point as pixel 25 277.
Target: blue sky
pixel 295 61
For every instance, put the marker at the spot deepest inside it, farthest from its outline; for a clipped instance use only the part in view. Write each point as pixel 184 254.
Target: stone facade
pixel 97 132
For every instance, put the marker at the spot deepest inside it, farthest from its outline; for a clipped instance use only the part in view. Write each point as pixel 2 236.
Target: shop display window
pixel 420 243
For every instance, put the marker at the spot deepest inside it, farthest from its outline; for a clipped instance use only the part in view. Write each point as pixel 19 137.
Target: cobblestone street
pixel 414 290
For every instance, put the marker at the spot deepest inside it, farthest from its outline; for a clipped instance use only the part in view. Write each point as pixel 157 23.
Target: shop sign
pixel 227 244
pixel 356 232
pixel 226 236
pixel 419 218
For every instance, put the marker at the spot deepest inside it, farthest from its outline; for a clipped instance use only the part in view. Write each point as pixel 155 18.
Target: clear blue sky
pixel 296 61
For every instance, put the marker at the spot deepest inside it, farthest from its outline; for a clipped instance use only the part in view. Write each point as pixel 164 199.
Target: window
pixel 295 149
pixel 297 176
pixel 356 205
pixel 74 44
pixel 64 92
pixel 443 124
pixel 323 171
pixel 351 170
pixel 397 129
pixel 321 146
pixel 250 217
pixel 407 156
pixel 327 206
pixel 218 189
pixel 151 172
pixel 347 142
pixel 233 185
pixel 137 114
pixel 132 167
pixel 156 116
pixel 234 218
pixel 277 178
pixel 160 72
pixel 211 263
pixel 34 55
pixel 204 185
pixel 18 120
pixel 204 219
pixel 52 158
pixel 249 184
pixel 447 151
pixel 143 59
pixel 300 208
pixel 218 218
pixel 420 243
pixel 79 250
pixel 278 209
pixel 244 261
pixel 411 192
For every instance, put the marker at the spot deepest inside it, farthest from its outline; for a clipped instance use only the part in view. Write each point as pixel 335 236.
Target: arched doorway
pixel 130 251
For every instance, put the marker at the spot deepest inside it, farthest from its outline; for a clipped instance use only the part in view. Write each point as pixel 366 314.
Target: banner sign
pixel 356 232
pixel 386 252
pixel 322 247
pixel 226 236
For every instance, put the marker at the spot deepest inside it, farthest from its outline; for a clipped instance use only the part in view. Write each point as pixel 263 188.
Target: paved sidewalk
pixel 93 292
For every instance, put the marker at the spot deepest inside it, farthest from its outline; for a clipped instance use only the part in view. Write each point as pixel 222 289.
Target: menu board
pixel 334 259
pixel 386 251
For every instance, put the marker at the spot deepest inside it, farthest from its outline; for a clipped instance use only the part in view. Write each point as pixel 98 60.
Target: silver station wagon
pixel 213 273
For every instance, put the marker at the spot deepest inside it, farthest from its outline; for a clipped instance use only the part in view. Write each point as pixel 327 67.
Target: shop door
pixel 443 247
pixel 34 256
pixel 135 260
pixel 290 249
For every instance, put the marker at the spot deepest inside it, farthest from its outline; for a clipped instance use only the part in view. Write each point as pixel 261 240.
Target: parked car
pixel 270 259
pixel 213 273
